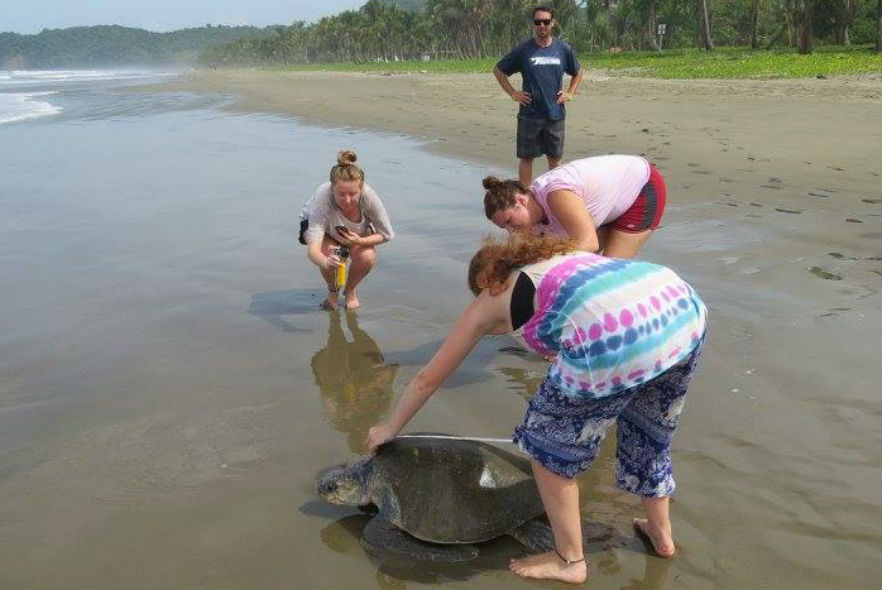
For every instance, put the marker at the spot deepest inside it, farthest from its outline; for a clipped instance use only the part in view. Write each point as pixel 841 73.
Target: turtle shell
pixel 452 491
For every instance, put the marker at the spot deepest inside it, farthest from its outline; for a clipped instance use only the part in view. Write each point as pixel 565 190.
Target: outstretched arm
pixel 570 211
pixel 485 315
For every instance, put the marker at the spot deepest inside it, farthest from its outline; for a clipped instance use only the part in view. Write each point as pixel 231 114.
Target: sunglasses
pixel 542 21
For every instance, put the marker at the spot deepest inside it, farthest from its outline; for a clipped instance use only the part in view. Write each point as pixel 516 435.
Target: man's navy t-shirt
pixel 542 69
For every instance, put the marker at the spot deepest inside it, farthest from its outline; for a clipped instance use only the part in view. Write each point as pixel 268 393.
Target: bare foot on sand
pixel 548 566
pixel 352 301
pixel 661 541
pixel 330 304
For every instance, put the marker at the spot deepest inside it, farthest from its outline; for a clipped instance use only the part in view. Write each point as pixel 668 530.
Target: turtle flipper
pixel 380 535
pixel 537 536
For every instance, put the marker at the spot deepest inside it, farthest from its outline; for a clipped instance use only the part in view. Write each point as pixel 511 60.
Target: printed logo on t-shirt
pixel 545 61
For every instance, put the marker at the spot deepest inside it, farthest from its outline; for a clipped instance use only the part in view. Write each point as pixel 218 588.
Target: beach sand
pixel 775 215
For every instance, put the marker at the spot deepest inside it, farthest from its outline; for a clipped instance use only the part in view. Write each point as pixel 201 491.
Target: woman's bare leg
pixel 560 496
pixel 329 246
pixel 363 260
pixel 621 244
pixel 657 525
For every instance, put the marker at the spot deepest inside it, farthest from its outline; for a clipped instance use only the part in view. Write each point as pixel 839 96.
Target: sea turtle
pixel 435 497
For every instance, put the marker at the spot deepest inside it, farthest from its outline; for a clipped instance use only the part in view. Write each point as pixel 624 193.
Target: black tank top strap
pixel 522 300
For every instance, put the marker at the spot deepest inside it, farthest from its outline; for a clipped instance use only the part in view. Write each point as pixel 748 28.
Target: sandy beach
pixel 775 213
pixel 169 387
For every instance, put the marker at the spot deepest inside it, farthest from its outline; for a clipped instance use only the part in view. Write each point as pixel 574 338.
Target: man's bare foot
pixel 352 301
pixel 662 542
pixel 548 566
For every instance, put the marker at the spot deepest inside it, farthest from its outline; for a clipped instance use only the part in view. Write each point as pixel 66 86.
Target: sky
pixel 32 16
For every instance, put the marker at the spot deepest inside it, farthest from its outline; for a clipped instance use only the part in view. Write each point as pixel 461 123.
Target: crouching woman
pixel 344 212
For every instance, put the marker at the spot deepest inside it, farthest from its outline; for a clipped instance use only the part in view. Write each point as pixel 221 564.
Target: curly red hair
pixel 495 260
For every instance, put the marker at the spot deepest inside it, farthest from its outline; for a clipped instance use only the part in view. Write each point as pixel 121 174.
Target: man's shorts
pixel 537 137
pixel 646 211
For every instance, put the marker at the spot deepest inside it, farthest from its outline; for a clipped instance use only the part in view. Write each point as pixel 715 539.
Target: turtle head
pixel 345 484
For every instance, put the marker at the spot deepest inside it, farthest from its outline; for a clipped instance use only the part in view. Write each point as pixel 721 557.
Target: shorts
pixel 537 137
pixel 564 433
pixel 304 224
pixel 646 211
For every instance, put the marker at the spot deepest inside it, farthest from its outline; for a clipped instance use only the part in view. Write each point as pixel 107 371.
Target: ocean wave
pixel 24 77
pixel 21 106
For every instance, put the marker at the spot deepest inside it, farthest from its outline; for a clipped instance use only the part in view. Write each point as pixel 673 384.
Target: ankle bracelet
pixel 568 561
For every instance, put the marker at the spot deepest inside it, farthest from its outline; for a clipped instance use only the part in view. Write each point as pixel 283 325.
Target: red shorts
pixel 646 211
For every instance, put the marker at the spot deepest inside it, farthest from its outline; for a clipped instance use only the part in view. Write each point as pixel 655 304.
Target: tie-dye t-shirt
pixel 611 323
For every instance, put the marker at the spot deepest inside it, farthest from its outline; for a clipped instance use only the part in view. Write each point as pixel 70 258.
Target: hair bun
pixel 345 157
pixel 491 181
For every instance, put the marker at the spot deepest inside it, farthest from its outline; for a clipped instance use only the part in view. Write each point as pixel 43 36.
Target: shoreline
pixel 680 125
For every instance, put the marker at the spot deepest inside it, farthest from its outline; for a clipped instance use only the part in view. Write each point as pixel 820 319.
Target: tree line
pixel 112 45
pixel 383 30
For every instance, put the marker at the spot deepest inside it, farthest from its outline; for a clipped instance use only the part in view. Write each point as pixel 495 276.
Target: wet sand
pixel 775 213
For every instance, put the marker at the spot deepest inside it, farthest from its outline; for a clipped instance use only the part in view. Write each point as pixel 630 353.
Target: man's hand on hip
pixel 564 96
pixel 522 98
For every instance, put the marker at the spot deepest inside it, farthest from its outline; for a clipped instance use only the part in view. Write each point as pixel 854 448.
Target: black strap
pixel 522 300
pixel 568 561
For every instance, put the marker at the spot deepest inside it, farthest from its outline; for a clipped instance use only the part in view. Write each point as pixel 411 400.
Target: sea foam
pixel 21 106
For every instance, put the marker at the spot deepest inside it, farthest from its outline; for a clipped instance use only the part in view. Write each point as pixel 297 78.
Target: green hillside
pixel 112 45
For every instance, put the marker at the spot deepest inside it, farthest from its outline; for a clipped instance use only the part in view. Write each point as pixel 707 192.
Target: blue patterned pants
pixel 563 433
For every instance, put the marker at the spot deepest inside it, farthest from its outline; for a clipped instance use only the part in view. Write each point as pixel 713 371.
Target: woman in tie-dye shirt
pixel 625 337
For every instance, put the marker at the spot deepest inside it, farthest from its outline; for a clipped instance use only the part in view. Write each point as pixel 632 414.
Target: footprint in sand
pixel 813 194
pixel 871 201
pixel 823 274
pixel 755 205
pixel 782 210
pixel 853 220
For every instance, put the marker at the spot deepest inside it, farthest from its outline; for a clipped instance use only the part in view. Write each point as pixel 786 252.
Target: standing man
pixel 542 62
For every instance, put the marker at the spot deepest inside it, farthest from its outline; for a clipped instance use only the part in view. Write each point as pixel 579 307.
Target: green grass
pixel 726 62
pixel 731 62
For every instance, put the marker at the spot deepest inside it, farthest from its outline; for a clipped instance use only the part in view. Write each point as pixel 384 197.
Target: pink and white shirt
pixel 608 185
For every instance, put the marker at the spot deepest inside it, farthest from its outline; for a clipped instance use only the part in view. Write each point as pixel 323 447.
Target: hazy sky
pixel 32 16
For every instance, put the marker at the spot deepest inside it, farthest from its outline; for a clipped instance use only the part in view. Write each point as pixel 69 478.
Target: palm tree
pixel 804 12
pixel 846 11
pixel 754 23
pixel 704 35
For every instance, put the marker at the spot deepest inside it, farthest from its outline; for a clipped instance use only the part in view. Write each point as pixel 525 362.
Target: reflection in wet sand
pixel 355 381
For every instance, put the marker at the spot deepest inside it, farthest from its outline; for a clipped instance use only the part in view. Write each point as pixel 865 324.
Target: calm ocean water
pixel 169 388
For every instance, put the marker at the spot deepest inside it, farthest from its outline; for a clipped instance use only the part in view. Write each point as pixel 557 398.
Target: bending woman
pixel 626 337
pixel 344 212
pixel 608 204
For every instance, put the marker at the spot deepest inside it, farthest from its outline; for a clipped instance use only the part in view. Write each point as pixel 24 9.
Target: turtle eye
pixel 330 487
